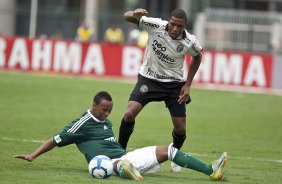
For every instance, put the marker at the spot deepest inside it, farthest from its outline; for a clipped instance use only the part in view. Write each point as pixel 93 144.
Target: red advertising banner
pixel 71 57
pixel 235 69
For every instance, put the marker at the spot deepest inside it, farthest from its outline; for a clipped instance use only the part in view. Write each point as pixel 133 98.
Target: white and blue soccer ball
pixel 100 167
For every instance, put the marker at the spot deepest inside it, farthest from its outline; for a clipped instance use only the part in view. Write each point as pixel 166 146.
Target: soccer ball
pixel 100 167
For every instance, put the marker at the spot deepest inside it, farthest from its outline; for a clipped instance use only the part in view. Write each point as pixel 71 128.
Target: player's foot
pixel 174 167
pixel 127 170
pixel 217 167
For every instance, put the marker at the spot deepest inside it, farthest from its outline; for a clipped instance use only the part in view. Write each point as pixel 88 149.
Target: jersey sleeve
pixel 192 44
pixel 150 24
pixel 66 137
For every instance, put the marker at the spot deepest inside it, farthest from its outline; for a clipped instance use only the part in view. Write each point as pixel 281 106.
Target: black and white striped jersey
pixel 164 57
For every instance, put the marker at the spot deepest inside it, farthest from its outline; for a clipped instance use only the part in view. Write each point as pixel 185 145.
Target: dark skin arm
pixel 135 15
pixel 45 147
pixel 193 68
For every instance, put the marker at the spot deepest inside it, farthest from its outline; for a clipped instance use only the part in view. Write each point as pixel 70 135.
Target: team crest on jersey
pixel 57 139
pixel 180 48
pixel 144 89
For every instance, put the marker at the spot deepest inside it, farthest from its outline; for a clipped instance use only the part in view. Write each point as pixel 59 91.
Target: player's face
pixel 175 27
pixel 102 110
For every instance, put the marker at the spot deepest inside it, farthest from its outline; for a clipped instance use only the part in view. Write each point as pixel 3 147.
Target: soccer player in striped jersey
pixel 93 135
pixel 161 76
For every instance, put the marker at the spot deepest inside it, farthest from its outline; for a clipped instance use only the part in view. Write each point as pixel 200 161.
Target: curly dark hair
pixel 102 95
pixel 179 13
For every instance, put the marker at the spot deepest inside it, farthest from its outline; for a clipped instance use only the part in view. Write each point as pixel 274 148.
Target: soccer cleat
pixel 217 167
pixel 127 170
pixel 174 167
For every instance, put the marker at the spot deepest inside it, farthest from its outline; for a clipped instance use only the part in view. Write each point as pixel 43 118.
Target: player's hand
pixel 24 157
pixel 139 12
pixel 184 94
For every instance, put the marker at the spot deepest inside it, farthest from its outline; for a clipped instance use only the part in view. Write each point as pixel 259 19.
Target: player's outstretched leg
pixel 127 171
pixel 214 170
pixel 217 167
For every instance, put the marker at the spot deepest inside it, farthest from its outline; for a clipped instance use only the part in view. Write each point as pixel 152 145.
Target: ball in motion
pixel 100 167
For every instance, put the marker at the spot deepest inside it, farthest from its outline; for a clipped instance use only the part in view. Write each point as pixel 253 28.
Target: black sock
pixel 125 130
pixel 178 140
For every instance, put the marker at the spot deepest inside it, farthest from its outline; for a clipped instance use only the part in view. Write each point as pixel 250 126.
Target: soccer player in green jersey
pixel 93 135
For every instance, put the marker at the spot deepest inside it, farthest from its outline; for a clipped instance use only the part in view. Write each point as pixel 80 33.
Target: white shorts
pixel 143 159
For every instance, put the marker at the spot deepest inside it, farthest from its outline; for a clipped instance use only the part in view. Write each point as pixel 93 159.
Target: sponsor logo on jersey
pixel 150 24
pixel 179 48
pixel 159 76
pixel 187 40
pixel 111 139
pixel 159 50
pixel 144 89
pixel 57 139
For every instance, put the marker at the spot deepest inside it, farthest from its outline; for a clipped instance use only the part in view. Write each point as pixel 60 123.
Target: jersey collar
pixel 88 111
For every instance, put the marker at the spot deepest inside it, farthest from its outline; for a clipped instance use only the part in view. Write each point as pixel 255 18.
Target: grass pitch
pixel 33 108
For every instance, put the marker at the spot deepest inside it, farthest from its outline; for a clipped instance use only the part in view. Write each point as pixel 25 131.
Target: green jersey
pixel 92 137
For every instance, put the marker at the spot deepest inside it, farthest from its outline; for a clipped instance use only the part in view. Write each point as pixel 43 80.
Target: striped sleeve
pixel 71 134
pixel 79 123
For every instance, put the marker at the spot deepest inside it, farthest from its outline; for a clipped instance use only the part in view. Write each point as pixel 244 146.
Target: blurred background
pixel 49 47
pixel 245 26
pixel 244 22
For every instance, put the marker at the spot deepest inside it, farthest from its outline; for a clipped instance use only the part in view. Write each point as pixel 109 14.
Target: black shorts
pixel 148 90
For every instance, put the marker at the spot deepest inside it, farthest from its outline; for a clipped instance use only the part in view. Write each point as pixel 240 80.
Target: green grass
pixel 35 107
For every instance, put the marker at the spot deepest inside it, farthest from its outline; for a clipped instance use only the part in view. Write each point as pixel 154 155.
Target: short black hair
pixel 102 95
pixel 179 13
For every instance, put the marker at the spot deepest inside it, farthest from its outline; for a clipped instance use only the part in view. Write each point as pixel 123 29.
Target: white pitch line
pixel 195 154
pixel 21 140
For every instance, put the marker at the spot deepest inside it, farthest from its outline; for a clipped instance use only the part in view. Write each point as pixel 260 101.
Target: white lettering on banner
pixel 94 60
pixel 67 58
pixel 62 56
pixel 2 52
pixel 228 71
pixel 131 61
pixel 255 72
pixel 204 71
pixel 41 55
pixel 19 54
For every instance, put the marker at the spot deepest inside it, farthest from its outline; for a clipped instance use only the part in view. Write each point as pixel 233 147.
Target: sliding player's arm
pixel 47 146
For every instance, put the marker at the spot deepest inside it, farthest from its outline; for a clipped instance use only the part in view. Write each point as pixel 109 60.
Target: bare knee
pixel 132 111
pixel 180 131
pixel 129 116
pixel 179 125
pixel 162 154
